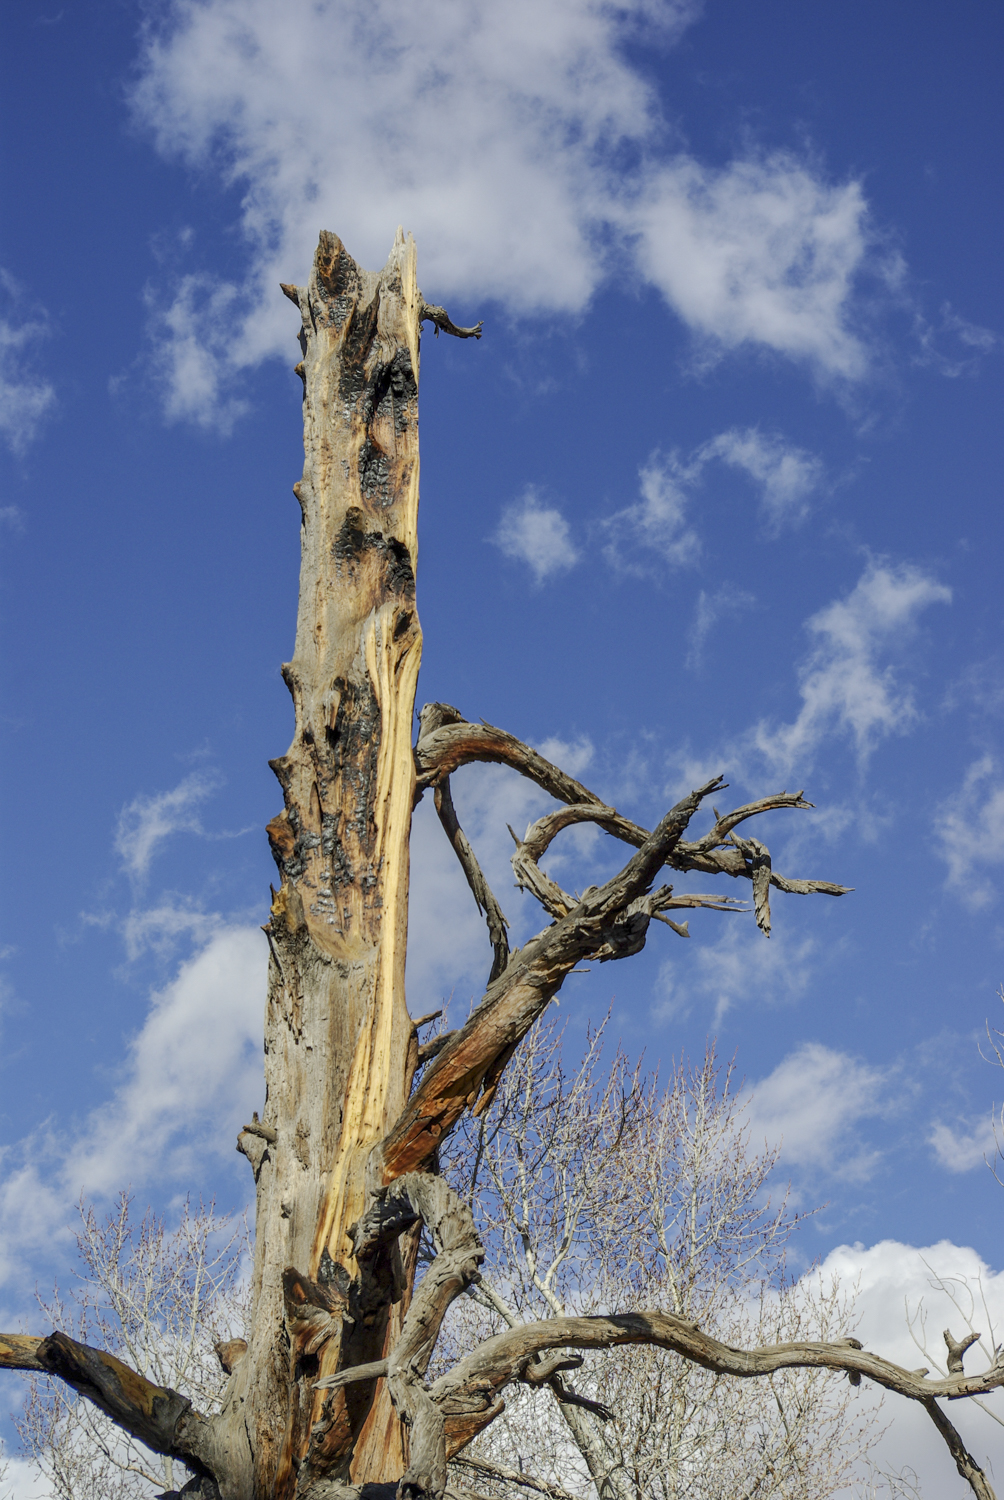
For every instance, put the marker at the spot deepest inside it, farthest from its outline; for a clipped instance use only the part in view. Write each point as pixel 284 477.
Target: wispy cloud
pixel 25 398
pixel 537 534
pixel 501 135
pixel 966 1144
pixel 146 822
pixel 654 525
pixel 739 968
pixel 787 476
pixel 953 346
pixel 191 335
pixel 969 827
pixel 844 685
pixel 710 609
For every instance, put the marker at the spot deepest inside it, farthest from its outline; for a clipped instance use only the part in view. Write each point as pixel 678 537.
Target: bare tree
pixel 174 1306
pixel 330 1399
pixel 602 1190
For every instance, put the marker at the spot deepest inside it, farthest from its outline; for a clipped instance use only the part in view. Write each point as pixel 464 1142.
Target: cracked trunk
pixel 339 1046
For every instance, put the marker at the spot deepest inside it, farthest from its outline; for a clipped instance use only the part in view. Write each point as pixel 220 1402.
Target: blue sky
pixel 719 490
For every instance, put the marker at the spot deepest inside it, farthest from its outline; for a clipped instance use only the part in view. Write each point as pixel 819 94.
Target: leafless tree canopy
pixel 335 1395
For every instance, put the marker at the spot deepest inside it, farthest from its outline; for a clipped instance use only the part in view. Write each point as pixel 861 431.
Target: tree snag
pixel 329 1399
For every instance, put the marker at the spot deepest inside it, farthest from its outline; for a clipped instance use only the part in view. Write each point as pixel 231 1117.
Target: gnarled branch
pixel 448 741
pixel 443 322
pixel 159 1417
pixel 610 921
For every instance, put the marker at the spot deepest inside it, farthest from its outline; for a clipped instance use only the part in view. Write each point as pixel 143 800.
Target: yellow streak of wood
pixel 367 1092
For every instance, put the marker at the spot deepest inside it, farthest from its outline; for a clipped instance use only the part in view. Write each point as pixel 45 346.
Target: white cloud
pixel 966 1144
pixel 147 821
pixel 710 609
pixel 191 336
pixel 810 1104
pixel 762 252
pixel 969 826
pixel 893 1278
pixel 500 135
pixel 654 524
pixel 788 476
pixel 843 685
pixel 190 1072
pixel 25 399
pixel 536 534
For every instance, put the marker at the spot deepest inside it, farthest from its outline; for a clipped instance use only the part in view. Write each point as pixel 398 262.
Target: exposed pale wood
pixel 19 1351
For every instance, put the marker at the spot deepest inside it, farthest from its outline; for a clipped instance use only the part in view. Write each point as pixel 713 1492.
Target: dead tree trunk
pixel 329 1399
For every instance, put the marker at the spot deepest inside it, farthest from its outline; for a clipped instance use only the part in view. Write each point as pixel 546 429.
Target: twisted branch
pixel 448 741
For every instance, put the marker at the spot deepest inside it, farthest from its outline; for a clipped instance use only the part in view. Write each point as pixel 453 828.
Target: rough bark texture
pixel 328 1399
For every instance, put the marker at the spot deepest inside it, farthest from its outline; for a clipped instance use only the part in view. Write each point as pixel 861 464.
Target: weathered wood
pixel 501 1360
pixel 448 741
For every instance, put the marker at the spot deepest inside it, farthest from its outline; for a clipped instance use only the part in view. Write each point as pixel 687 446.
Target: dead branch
pixel 442 321
pixel 447 741
pixel 482 1467
pixel 159 1417
pixel 481 890
pixel 502 1359
pixel 609 922
pixel 966 1464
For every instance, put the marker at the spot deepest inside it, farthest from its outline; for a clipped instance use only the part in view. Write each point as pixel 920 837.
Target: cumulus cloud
pixel 844 685
pixel 656 523
pixel 969 827
pixel 526 151
pixel 25 399
pixel 810 1105
pixel 536 534
pixel 761 253
pixel 191 1070
pixel 938 1286
pixel 787 475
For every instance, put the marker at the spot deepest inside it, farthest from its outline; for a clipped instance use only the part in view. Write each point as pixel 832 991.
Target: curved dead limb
pixel 442 320
pixel 447 742
pixel 159 1417
pixel 481 890
pixel 610 921
pixel 501 1359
